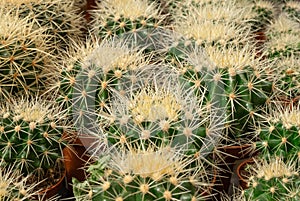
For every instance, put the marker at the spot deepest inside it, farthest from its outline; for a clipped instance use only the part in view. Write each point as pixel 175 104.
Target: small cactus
pixel 273 179
pixel 292 9
pixel 283 38
pixel 31 132
pixel 234 77
pixel 157 109
pixel 61 19
pixel 25 62
pixel 280 134
pixel 116 17
pixel 13 186
pixel 135 173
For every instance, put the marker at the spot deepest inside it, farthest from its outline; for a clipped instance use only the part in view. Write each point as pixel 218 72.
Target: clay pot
pixel 52 190
pixel 243 181
pixel 75 158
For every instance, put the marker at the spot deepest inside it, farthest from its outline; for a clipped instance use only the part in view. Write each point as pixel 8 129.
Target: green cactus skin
pixel 281 135
pixel 31 136
pixel 25 67
pixel 61 19
pixel 281 184
pixel 126 17
pixel 235 82
pixel 113 183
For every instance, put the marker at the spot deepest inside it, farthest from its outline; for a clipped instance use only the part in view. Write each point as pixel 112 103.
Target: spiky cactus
pixel 155 108
pixel 283 38
pixel 31 132
pixel 264 14
pixel 280 134
pixel 287 73
pixel 117 17
pixel 292 9
pixel 25 61
pixel 273 179
pixel 135 173
pixel 235 78
pixel 92 72
pixel 61 19
pixel 14 186
pixel 212 23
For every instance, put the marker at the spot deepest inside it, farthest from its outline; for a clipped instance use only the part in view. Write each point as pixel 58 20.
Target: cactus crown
pixel 283 25
pixel 274 179
pixel 31 134
pixel 130 9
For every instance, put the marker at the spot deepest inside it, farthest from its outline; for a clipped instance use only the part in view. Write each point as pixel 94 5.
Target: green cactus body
pixel 31 136
pixel 25 68
pixel 281 136
pixel 278 182
pixel 117 17
pixel 139 175
pixel 232 78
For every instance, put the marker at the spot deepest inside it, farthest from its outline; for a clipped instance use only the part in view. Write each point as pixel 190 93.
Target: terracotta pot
pixel 243 181
pixel 52 190
pixel 75 158
pixel 209 190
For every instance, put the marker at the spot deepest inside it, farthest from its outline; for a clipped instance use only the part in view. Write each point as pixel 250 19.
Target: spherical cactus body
pixel 31 136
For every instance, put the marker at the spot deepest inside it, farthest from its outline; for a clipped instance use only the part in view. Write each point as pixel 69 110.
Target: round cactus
pixel 292 9
pixel 116 17
pixel 283 38
pixel 31 132
pixel 25 63
pixel 153 107
pixel 287 73
pixel 212 23
pixel 273 180
pixel 235 79
pixel 61 19
pixel 264 14
pixel 135 173
pixel 280 134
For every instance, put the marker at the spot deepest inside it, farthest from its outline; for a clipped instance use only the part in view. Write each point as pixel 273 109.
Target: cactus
pixel 273 179
pixel 31 136
pixel 135 173
pixel 288 76
pixel 235 78
pixel 115 17
pixel 157 109
pixel 265 14
pixel 25 63
pixel 14 186
pixel 212 23
pixel 279 134
pixel 93 71
pixel 292 9
pixel 283 38
pixel 61 19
